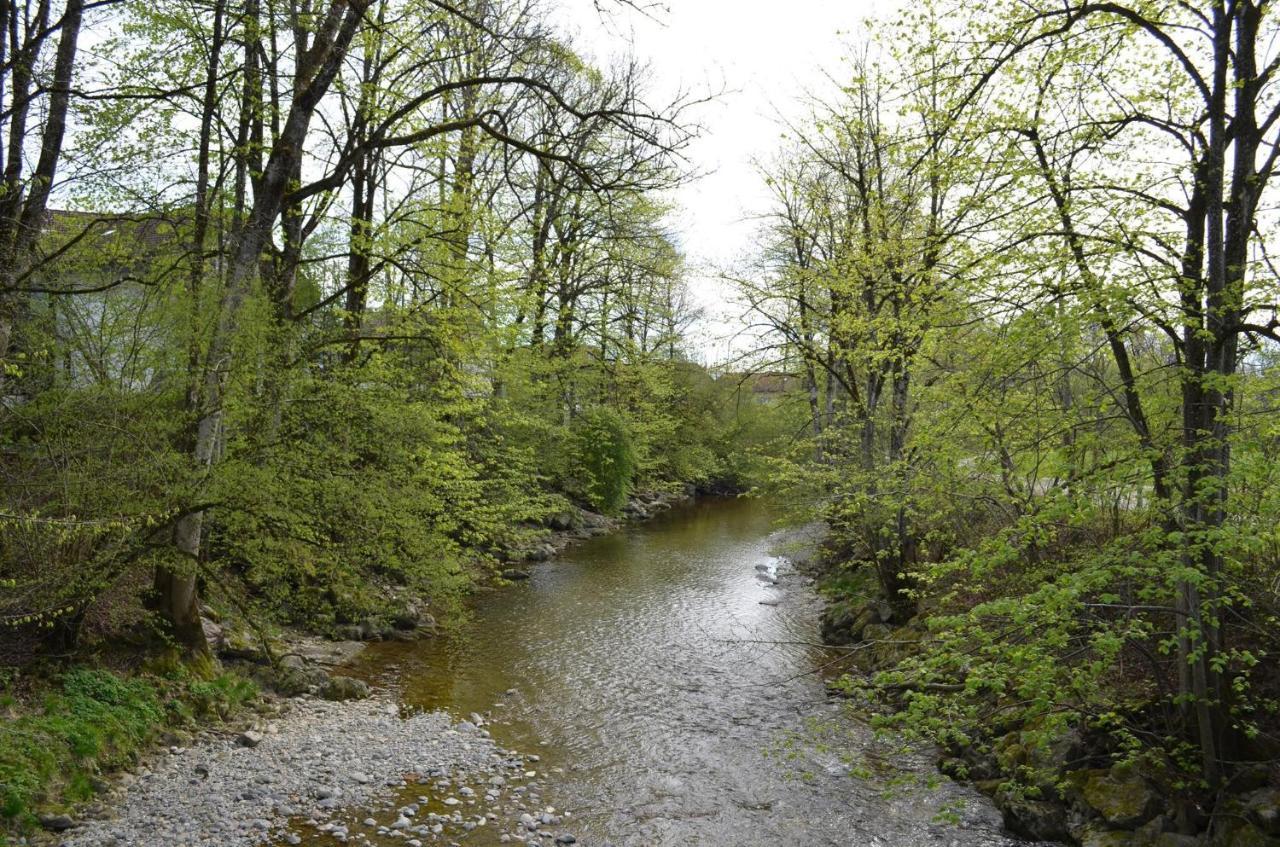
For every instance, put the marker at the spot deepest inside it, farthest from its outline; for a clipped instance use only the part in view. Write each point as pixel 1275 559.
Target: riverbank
pixel 1062 782
pixel 65 786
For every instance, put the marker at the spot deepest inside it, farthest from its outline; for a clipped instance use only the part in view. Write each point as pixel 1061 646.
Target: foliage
pixel 604 458
pixel 55 742
pixel 1038 357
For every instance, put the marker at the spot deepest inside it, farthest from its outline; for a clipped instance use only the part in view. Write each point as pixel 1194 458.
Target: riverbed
pixel 667 681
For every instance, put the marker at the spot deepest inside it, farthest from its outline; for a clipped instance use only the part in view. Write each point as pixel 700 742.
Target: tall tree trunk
pixel 177 593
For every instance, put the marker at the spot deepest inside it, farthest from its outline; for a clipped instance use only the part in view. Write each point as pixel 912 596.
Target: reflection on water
pixel 665 675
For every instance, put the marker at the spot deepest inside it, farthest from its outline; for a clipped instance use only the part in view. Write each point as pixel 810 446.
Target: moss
pixel 1120 795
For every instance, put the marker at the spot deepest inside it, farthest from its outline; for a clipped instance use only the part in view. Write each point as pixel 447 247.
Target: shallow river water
pixel 667 680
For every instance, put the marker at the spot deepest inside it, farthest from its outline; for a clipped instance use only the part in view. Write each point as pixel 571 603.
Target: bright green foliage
pixel 604 458
pixel 94 721
pixel 311 401
pixel 1039 360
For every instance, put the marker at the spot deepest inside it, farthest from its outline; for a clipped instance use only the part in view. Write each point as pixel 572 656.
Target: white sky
pixel 764 55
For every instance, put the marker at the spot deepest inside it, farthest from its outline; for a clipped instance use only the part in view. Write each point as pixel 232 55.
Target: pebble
pixel 310 747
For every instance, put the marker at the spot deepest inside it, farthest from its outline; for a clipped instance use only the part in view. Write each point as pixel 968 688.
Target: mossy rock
pixel 895 644
pixel 1040 820
pixel 1262 808
pixel 1101 837
pixel 843 622
pixel 1240 833
pixel 1119 795
pixel 345 688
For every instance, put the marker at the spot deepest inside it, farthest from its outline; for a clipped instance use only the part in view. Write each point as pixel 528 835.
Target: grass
pixel 55 742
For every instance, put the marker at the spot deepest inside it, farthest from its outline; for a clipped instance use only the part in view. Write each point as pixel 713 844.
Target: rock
pixel 1238 833
pixel 1039 820
pixel 1174 839
pixel 1120 795
pixel 57 823
pixel 1262 808
pixel 351 632
pixel 561 521
pixel 1045 750
pixel 539 553
pixel 345 688
pixel 407 618
pixel 175 738
pixel 1100 837
pixel 594 520
pixel 876 632
pixel 213 633
pixel 840 624
pixel 514 575
pixel 292 682
pixel 402 822
pixel 293 662
pixel 566 838
pixel 250 738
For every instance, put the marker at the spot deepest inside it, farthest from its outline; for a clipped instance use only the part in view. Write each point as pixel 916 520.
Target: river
pixel 667 680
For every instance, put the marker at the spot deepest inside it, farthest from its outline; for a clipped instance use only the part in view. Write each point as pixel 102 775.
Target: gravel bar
pixel 317 759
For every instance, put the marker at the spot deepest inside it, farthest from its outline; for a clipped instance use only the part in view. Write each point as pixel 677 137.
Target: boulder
pixel 594 520
pixel 407 618
pixel 838 624
pixel 213 633
pixel 1175 839
pixel 514 575
pixel 1262 809
pixel 561 521
pixel 293 662
pixel 57 823
pixel 350 632
pixel 345 688
pixel 1119 795
pixel 294 681
pixel 1239 833
pixel 876 632
pixel 1039 820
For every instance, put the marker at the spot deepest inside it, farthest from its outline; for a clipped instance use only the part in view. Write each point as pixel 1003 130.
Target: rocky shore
pixel 351 771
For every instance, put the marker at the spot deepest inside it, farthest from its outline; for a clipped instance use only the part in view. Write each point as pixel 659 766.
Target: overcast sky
pixel 763 54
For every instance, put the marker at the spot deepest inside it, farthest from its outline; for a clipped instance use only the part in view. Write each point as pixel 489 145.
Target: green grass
pixel 93 721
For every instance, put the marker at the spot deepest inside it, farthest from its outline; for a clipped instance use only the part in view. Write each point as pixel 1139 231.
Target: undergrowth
pixel 57 740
